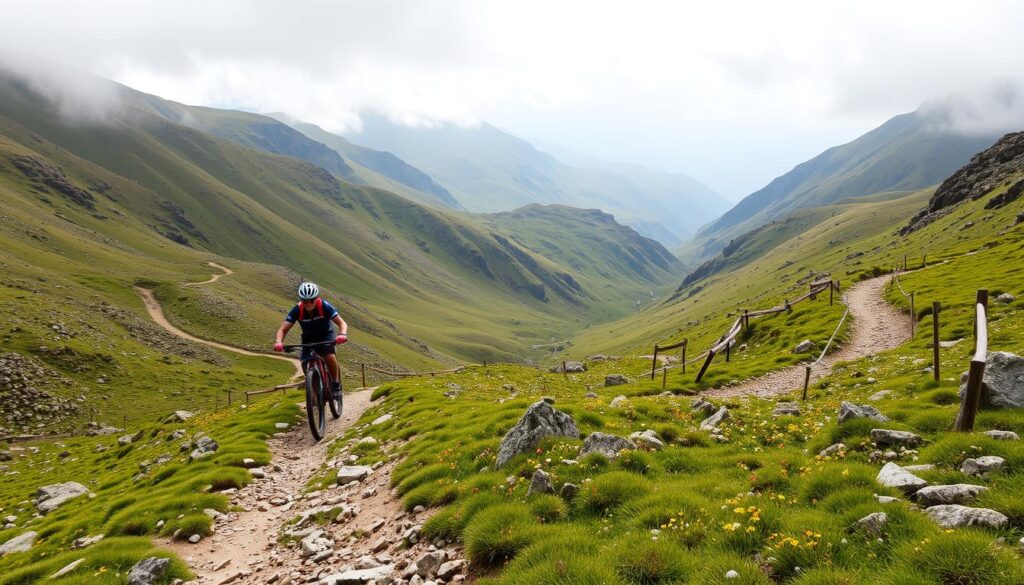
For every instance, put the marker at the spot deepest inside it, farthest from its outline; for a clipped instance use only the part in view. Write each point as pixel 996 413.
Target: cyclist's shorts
pixel 307 352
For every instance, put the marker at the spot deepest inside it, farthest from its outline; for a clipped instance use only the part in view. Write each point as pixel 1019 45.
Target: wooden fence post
pixel 728 346
pixel 229 397
pixel 831 288
pixel 746 320
pixel 362 371
pixel 913 315
pixel 683 358
pixel 807 381
pixel 654 362
pixel 789 308
pixel 704 368
pixel 664 377
pixel 904 262
pixel 565 372
pixel 971 397
pixel 924 261
pixel 935 340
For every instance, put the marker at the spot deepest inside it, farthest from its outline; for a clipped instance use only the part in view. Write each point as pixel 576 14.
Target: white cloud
pixel 731 92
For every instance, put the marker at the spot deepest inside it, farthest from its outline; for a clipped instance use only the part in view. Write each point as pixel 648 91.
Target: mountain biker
pixel 317 318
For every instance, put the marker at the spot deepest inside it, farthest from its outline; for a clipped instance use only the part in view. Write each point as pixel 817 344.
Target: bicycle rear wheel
pixel 336 405
pixel 315 411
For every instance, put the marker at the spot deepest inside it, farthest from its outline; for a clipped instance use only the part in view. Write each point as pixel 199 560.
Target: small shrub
pixel 643 560
pixel 547 508
pixel 496 534
pixel 610 490
pixel 636 461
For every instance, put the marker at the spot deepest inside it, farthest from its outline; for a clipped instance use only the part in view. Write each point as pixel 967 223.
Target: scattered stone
pixel 956 516
pixel 148 571
pixel 982 465
pixel 570 368
pixel 804 346
pixel 873 524
pixel 541 483
pixel 315 543
pixel 428 564
pixel 281 426
pixel 52 496
pixel 615 380
pixel 540 420
pixel 885 499
pixel 958 493
pixel 833 449
pixel 849 410
pixel 381 419
pixel 449 569
pixel 920 468
pixel 949 344
pixel 569 491
pixel 619 401
pixel 86 541
pixel 881 394
pixel 1002 435
pixel 350 473
pixel 67 569
pixel 714 420
pixel 703 407
pixel 648 439
pixel 894 476
pixel 179 416
pixel 357 576
pixel 1006 298
pixel 732 574
pixel 786 409
pixel 590 395
pixel 203 448
pixel 895 438
pixel 195 538
pixel 21 543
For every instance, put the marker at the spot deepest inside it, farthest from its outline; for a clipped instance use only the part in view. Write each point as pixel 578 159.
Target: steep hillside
pixel 489 170
pixel 908 152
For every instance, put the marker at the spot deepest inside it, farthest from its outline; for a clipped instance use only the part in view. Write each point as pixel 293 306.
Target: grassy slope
pixel 128 504
pixel 761 502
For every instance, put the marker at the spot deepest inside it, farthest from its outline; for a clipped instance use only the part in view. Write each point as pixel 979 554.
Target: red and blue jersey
pixel 316 323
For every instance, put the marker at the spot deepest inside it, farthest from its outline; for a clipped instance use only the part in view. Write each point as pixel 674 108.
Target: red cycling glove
pixel 278 347
pixel 341 339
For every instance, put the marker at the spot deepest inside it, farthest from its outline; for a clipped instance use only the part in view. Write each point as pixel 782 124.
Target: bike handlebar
pixel 295 346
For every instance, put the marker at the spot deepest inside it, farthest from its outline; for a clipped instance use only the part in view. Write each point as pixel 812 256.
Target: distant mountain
pixel 490 170
pixel 908 152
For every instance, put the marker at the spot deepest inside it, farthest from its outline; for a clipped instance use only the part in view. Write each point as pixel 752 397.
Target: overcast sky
pixel 731 93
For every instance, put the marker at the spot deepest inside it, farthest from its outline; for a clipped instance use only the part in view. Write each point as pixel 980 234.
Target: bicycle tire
pixel 336 405
pixel 315 404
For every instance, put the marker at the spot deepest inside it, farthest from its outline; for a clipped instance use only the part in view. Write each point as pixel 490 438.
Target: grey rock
pixel 67 569
pixel 52 496
pixel 885 499
pixel 21 543
pixel 919 468
pixel 703 407
pixel 982 465
pixel 449 569
pixel 590 395
pixel 428 564
pixel 958 493
pixel 714 420
pixel 1006 298
pixel 179 416
pixel 949 344
pixel 570 368
pixel 359 576
pixel 1002 435
pixel 148 571
pixel 569 491
pixel 615 380
pixel 804 346
pixel 195 538
pixel 786 409
pixel 956 516
pixel 648 440
pixel 540 420
pixel 86 541
pixel 619 401
pixel 881 394
pixel 348 473
pixel 873 524
pixel 1002 386
pixel 315 543
pixel 833 449
pixel 894 476
pixel 849 410
pixel 895 438
pixel 204 447
pixel 605 444
pixel 540 483
pixel 381 419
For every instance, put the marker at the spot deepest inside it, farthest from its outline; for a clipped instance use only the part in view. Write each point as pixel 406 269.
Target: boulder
pixel 179 416
pixel 1006 298
pixel 52 496
pixel 570 368
pixel 148 571
pixel 540 483
pixel 615 380
pixel 1002 435
pixel 712 422
pixel 786 409
pixel 358 576
pixel 605 444
pixel 21 543
pixel 895 438
pixel 956 516
pixel 648 440
pixel 203 448
pixel 540 420
pixel 849 410
pixel 703 407
pixel 873 524
pixel 349 473
pixel 619 401
pixel 982 465
pixel 957 493
pixel 1002 386
pixel 894 476
pixel 804 346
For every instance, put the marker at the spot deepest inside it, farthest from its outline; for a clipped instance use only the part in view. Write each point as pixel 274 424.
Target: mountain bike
pixel 318 389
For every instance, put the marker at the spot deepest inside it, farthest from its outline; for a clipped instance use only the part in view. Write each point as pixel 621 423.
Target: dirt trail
pixel 157 314
pixel 213 277
pixel 877 326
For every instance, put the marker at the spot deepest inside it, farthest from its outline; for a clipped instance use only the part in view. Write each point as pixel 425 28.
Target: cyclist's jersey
pixel 316 325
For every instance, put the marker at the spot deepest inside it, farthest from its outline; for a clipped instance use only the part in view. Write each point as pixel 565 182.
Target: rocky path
pixel 877 326
pixel 213 277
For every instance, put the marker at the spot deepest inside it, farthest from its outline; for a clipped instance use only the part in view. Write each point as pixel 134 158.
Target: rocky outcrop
pixel 958 493
pixel 956 516
pixel 21 543
pixel 26 405
pixel 1002 386
pixel 703 407
pixel 605 444
pixel 987 171
pixel 982 465
pixel 52 496
pixel 204 447
pixel 540 420
pixel 148 571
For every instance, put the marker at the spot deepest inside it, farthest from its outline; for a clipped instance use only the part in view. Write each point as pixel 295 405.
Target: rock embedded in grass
pixel 540 483
pixel 540 420
pixel 1002 386
pixel 148 571
pixel 179 416
pixel 350 473
pixel 849 411
pixel 381 419
pixel 1002 435
pixel 569 491
pixel 615 380
pixel 804 346
pixel 873 524
pixel 204 447
pixel 647 439
pixel 714 420
pixel 894 476
pixel 982 465
pixel 786 409
pixel 52 496
pixel 957 516
pixel 833 449
pixel 1006 298
pixel 21 543
pixel 895 438
pixel 957 493
pixel 570 368
pixel 605 444
pixel 703 407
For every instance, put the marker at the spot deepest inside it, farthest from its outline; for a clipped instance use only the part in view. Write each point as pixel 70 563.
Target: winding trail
pixel 213 277
pixel 877 326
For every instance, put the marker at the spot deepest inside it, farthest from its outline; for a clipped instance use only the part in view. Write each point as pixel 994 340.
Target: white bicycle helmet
pixel 308 290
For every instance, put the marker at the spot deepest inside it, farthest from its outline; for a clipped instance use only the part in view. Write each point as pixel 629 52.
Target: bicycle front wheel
pixel 315 411
pixel 336 405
